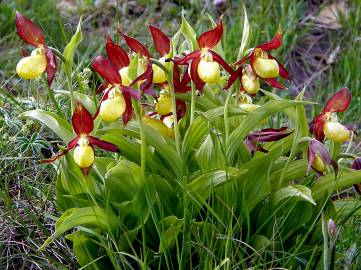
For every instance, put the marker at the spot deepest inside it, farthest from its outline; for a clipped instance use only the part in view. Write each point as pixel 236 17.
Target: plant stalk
pixel 325 243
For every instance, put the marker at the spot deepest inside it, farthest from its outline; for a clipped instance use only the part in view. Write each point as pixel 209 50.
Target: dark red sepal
pixel 50 65
pixel 219 59
pixel 106 70
pixel 136 46
pixel 356 165
pixel 275 43
pixel 339 102
pixel 161 41
pixel 194 74
pixel 82 120
pixel 102 87
pixel 103 144
pixel 211 38
pixel 28 31
pixel 116 54
pixel 24 52
pixel 274 83
pixel 181 85
pixel 243 60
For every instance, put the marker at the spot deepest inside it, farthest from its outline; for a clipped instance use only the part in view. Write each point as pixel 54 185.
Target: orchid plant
pixel 192 159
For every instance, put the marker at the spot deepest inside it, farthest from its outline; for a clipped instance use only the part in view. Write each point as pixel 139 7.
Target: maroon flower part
pixel 204 61
pixel 140 49
pixel 319 158
pixel 356 165
pixel 116 100
pixel 160 40
pixel 263 65
pixel 33 35
pixel 83 144
pixel 254 139
pixel 339 102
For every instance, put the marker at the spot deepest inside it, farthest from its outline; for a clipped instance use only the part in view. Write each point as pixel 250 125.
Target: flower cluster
pixel 131 75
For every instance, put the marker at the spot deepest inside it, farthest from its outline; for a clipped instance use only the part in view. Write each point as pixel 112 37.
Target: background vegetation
pixel 321 49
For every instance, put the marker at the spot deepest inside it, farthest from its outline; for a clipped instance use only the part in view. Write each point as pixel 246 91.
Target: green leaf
pixel 327 184
pixel 299 191
pixel 70 48
pixel 189 33
pixel 246 35
pixel 122 182
pixel 53 121
pixel 204 184
pixel 94 216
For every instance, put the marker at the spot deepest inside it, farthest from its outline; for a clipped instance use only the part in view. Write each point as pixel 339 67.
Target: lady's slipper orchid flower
pixel 83 144
pixel 162 45
pixel 356 165
pixel 246 103
pixel 116 101
pixel 319 158
pixel 254 139
pixel 324 124
pixel 205 61
pixel 41 59
pixel 262 65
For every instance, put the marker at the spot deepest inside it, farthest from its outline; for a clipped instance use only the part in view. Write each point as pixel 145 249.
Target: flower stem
pixel 193 102
pixel 325 243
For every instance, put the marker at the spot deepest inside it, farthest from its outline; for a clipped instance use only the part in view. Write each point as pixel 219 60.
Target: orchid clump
pixel 190 154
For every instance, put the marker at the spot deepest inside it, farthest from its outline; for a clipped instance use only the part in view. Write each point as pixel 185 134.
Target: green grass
pixel 27 201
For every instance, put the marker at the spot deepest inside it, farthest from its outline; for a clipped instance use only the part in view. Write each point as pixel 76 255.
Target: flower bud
pixel 209 71
pixel 112 108
pixel 265 67
pixel 159 126
pixel 32 66
pixel 164 105
pixel 250 85
pixel 332 230
pixel 126 81
pixel 158 73
pixel 249 107
pixel 336 132
pixel 83 154
pixel 318 164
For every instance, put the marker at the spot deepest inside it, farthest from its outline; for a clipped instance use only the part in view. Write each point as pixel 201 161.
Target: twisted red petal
pixel 233 77
pixel 316 127
pixel 136 46
pixel 188 57
pixel 194 74
pixel 161 41
pixel 50 66
pixel 102 87
pixel 269 135
pixel 339 102
pixel 211 38
pixel 28 31
pixel 219 59
pixel 275 43
pixel 275 83
pixel 103 144
pixel 82 120
pixel 106 70
pixel 244 59
pixel 70 146
pixel 116 54
pixel 356 165
pixel 147 75
pixel 128 113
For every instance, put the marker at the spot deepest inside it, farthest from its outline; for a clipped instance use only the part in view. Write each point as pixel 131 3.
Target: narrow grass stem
pixel 71 92
pixel 52 97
